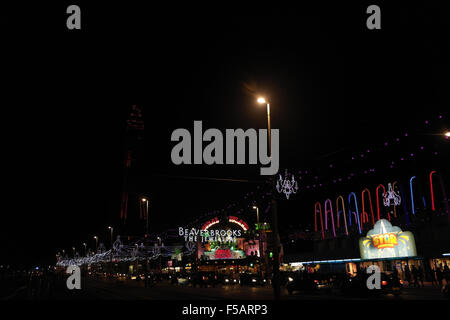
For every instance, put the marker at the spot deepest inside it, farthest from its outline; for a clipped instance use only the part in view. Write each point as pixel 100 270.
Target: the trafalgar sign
pixel 387 241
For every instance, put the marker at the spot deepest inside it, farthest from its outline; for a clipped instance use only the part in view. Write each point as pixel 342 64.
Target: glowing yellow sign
pixel 385 240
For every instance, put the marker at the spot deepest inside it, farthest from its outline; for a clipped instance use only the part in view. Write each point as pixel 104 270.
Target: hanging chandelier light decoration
pixel 286 185
pixel 391 197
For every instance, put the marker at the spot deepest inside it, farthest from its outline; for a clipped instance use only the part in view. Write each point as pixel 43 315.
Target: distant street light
pixel 261 100
pixel 112 230
pixel 274 217
pixel 145 201
pixel 96 243
pixel 447 134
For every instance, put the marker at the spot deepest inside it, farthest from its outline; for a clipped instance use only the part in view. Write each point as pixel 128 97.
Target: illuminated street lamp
pixel 257 215
pixel 145 201
pixel 112 230
pixel 96 243
pixel 261 100
pixel 274 218
pixel 85 248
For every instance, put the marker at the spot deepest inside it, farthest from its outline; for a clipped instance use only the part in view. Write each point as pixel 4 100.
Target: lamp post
pixel 274 218
pixel 96 243
pixel 85 248
pixel 261 100
pixel 112 230
pixel 259 239
pixel 145 200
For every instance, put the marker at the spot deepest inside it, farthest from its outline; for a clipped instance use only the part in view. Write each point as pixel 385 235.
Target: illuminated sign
pixel 387 241
pixel 239 222
pixel 210 223
pixel 222 254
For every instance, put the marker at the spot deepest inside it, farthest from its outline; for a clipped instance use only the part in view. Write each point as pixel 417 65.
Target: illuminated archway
pixel 444 194
pixel 412 194
pixel 378 202
pixel 431 191
pixel 364 215
pixel 315 218
pixel 350 210
pixel 343 211
pixel 330 209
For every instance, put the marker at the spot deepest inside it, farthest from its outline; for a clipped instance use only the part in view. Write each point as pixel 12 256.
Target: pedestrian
pixel 408 275
pixel 415 275
pixel 439 275
pixel 420 275
pixel 446 273
pixel 431 275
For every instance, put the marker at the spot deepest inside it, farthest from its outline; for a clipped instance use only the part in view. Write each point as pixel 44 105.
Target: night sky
pixel 335 87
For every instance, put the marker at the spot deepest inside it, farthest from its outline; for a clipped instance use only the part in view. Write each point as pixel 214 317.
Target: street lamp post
pixel 146 213
pixel 262 101
pixel 85 248
pixel 96 243
pixel 112 230
pixel 274 218
pixel 259 238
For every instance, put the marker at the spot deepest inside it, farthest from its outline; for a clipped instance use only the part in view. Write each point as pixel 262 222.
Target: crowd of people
pixel 415 276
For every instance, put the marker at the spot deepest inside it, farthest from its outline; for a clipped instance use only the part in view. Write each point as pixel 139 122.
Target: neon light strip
pixel 343 210
pixel 206 226
pixel 243 225
pixel 315 218
pixel 297 264
pixel 378 202
pixel 412 194
pixel 350 210
pixel 431 189
pixel 364 215
pixel 328 201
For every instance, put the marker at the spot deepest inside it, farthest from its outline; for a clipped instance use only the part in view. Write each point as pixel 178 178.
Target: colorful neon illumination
pixel 431 190
pixel 239 222
pixel 222 254
pixel 343 211
pixel 385 240
pixel 315 218
pixel 364 215
pixel 210 223
pixel 350 210
pixel 330 209
pixel 412 194
pixel 378 202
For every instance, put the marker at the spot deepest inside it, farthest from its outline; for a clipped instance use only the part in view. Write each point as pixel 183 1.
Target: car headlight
pixel 290 279
pixel 226 280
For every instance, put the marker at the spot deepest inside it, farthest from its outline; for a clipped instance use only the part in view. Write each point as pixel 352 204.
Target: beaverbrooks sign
pixel 207 233
pixel 221 235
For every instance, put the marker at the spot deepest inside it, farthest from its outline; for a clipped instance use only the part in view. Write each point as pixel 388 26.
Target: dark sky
pixel 335 88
